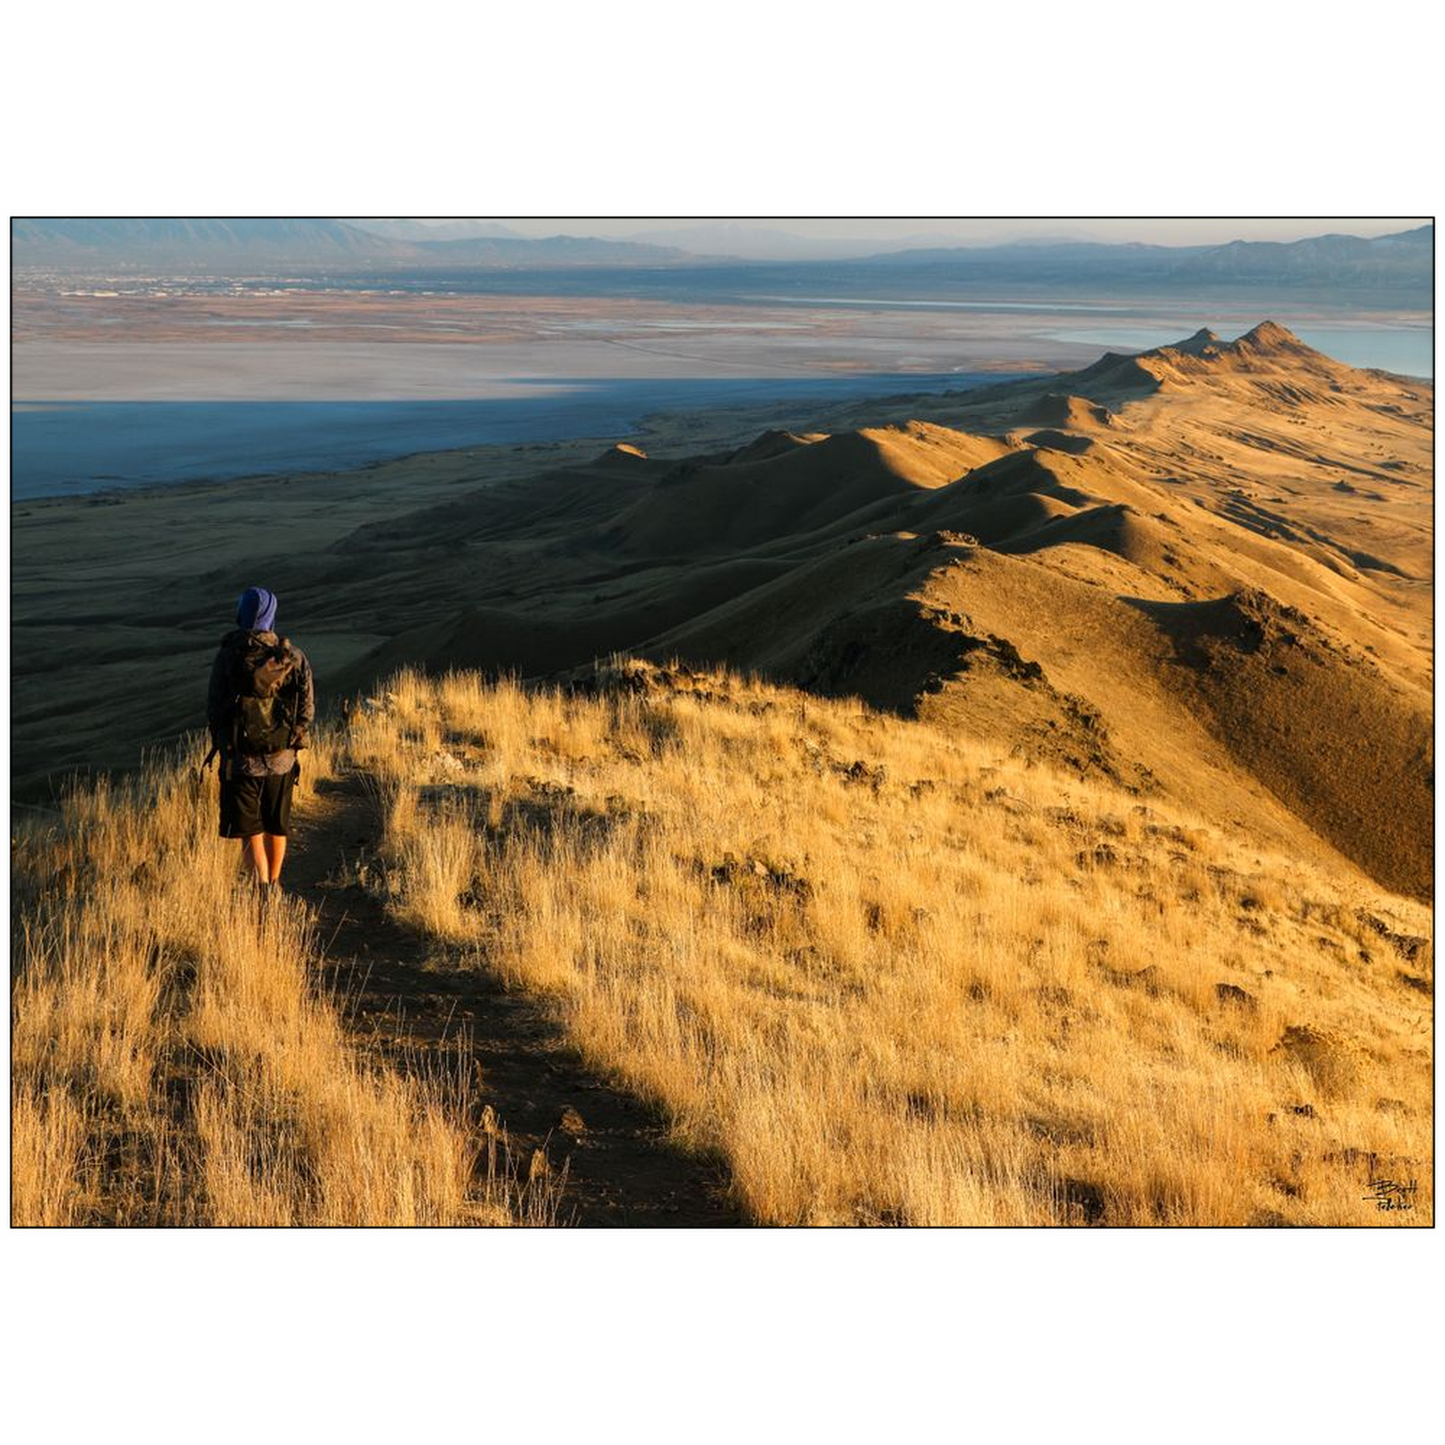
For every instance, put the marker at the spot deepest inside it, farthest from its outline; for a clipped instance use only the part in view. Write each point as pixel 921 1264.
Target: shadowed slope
pixel 889 974
pixel 911 561
pixel 704 509
pixel 1059 409
pixel 1350 753
pixel 619 1167
pixel 1027 589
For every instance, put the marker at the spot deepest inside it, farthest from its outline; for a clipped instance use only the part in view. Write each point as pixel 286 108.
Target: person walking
pixel 260 702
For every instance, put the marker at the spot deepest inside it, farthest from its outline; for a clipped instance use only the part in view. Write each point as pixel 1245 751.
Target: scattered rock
pixel 1407 945
pixel 860 772
pixel 750 872
pixel 1006 800
pixel 854 773
pixel 1146 978
pixel 448 764
pixel 570 1122
pixel 1232 994
pixel 1334 1062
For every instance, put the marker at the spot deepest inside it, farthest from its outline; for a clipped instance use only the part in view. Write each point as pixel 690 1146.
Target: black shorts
pixel 256 805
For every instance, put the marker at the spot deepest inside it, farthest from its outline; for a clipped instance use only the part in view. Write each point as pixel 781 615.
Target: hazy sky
pixel 1162 232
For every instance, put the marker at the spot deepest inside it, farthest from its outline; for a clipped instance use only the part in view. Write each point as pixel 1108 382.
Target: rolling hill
pixel 1010 806
pixel 1176 583
pixel 1204 571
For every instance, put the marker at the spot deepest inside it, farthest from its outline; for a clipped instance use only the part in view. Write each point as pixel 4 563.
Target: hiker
pixel 260 702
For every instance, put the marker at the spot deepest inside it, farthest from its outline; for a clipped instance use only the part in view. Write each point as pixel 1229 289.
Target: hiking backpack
pixel 265 685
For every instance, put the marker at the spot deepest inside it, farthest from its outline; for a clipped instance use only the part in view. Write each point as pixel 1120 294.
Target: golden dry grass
pixel 889 975
pixel 173 1060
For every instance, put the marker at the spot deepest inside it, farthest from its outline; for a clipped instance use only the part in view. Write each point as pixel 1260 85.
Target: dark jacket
pixel 220 707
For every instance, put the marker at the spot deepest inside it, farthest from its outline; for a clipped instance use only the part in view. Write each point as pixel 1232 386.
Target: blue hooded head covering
pixel 256 611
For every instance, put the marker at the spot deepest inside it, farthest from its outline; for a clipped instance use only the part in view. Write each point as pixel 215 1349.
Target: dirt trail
pixel 621 1169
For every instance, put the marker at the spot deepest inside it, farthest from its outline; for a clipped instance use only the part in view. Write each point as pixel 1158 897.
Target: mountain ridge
pixel 1206 569
pixel 1400 263
pixel 221 243
pixel 1062 588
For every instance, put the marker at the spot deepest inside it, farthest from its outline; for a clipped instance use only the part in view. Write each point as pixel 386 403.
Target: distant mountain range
pixel 490 243
pixel 1394 269
pixel 436 230
pixel 745 241
pixel 218 241
pixel 549 251
pixel 230 245
pixel 1405 256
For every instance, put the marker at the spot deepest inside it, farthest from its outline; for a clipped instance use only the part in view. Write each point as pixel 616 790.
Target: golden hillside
pixel 889 974
pixel 1013 806
pixel 1212 584
pixel 866 971
pixel 178 1056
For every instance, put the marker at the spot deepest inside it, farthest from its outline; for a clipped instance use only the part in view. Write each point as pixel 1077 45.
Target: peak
pixel 1271 333
pixel 1267 347
pixel 1197 344
pixel 1206 344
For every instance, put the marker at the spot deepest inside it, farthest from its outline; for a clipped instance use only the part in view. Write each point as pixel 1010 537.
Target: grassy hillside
pixel 1066 857
pixel 1191 474
pixel 175 1059
pixel 879 971
pixel 892 975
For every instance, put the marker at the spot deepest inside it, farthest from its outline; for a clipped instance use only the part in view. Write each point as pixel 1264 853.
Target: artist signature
pixel 1391 1193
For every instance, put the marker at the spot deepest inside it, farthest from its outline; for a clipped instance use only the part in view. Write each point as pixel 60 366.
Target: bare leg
pixel 253 857
pixel 275 854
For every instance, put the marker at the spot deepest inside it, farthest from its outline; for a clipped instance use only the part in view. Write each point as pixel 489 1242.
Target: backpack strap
pixel 231 647
pixel 294 683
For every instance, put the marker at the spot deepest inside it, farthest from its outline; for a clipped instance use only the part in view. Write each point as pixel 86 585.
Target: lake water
pixel 59 448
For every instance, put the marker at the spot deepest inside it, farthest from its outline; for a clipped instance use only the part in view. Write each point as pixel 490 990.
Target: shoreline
pixel 147 575
pixel 349 420
pixel 131 587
